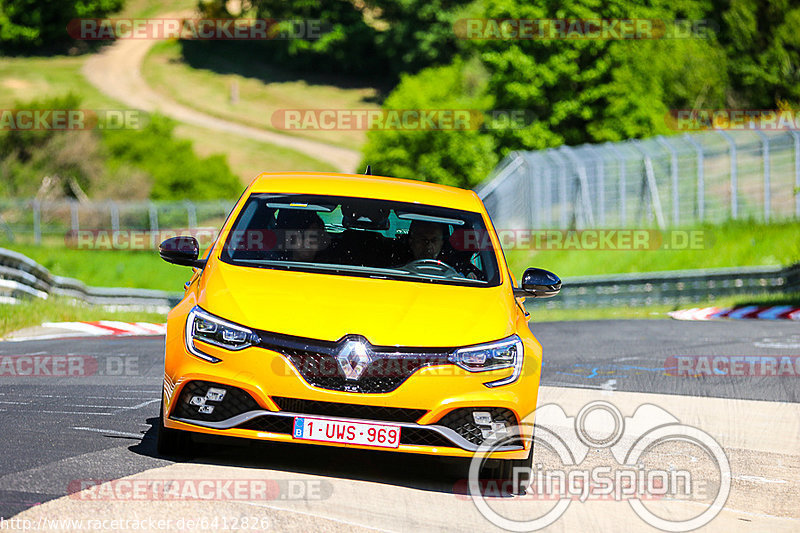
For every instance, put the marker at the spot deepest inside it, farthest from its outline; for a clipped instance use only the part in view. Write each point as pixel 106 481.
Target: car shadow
pixel 422 472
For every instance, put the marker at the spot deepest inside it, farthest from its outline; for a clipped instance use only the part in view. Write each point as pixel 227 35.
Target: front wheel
pixel 170 442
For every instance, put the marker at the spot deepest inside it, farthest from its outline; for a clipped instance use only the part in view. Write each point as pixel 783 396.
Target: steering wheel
pixel 431 266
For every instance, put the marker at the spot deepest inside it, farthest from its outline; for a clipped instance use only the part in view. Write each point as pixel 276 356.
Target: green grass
pixel 732 244
pixel 263 89
pixel 108 268
pixel 540 314
pixel 153 8
pixel 248 158
pixel 35 312
pixel 26 78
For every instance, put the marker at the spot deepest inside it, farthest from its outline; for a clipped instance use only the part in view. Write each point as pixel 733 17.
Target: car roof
pixel 361 186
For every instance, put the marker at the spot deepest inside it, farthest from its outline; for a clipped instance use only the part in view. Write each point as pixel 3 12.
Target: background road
pixel 56 430
pixel 116 71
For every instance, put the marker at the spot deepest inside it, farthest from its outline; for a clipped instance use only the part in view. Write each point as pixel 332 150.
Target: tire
pixel 502 470
pixel 171 442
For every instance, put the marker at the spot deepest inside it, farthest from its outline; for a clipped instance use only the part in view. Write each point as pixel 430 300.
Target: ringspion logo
pixel 633 472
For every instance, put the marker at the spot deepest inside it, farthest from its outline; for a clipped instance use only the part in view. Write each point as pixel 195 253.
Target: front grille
pixel 316 361
pixel 348 410
pixel 235 402
pixel 424 437
pixel 461 421
pixel 269 423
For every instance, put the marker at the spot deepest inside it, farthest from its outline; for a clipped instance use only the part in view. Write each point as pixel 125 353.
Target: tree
pixel 452 157
pixel 32 24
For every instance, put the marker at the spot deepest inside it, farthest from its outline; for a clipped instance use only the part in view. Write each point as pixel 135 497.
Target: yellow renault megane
pixel 356 311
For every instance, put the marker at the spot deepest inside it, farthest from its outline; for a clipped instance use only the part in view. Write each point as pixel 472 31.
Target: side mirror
pixel 181 251
pixel 538 283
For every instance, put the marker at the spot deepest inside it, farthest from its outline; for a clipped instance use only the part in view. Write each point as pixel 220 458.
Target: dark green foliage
pixel 27 25
pixel 177 172
pixel 579 91
pixel 125 164
pixel 458 157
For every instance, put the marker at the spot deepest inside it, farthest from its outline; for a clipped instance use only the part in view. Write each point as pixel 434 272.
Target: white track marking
pixel 100 329
pixel 99 406
pixel 74 413
pixel 759 479
pixel 140 405
pixel 156 329
pixel 111 431
pixel 83 327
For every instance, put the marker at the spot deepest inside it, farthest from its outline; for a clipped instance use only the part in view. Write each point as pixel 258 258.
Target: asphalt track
pixel 101 426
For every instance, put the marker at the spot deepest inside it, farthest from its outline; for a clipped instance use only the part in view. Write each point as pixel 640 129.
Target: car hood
pixel 328 307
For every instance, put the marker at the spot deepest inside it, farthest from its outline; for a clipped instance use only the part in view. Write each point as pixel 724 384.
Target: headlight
pixel 492 356
pixel 210 329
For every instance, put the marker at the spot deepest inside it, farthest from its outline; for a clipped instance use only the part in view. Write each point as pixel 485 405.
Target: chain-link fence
pixel 663 181
pixel 32 220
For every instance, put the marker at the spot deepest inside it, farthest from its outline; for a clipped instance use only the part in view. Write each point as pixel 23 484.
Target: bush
pixel 459 157
pixel 177 172
pixel 127 164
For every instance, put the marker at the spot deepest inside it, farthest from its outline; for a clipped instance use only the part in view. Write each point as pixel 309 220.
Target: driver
pixel 305 236
pixel 425 239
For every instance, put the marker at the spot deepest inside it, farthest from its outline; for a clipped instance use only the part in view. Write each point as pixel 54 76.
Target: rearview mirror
pixel 538 283
pixel 181 251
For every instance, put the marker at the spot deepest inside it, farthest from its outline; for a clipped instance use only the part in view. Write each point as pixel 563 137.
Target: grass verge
pixel 540 314
pixel 28 78
pixel 728 245
pixel 262 89
pixel 14 317
pixel 141 269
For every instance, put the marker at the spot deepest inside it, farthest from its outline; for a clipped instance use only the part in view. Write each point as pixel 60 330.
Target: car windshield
pixel 362 237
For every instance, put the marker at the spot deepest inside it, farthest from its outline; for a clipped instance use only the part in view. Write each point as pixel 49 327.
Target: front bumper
pixel 432 406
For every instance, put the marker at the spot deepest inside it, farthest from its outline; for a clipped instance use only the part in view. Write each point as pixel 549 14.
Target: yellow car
pixel 355 311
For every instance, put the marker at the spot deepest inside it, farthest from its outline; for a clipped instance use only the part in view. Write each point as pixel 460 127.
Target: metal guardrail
pixel 22 278
pixel 672 287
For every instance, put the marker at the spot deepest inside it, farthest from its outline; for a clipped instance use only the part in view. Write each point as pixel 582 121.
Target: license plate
pixel 327 430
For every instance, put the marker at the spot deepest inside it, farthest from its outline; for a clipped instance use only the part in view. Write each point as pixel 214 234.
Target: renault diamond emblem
pixel 353 358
